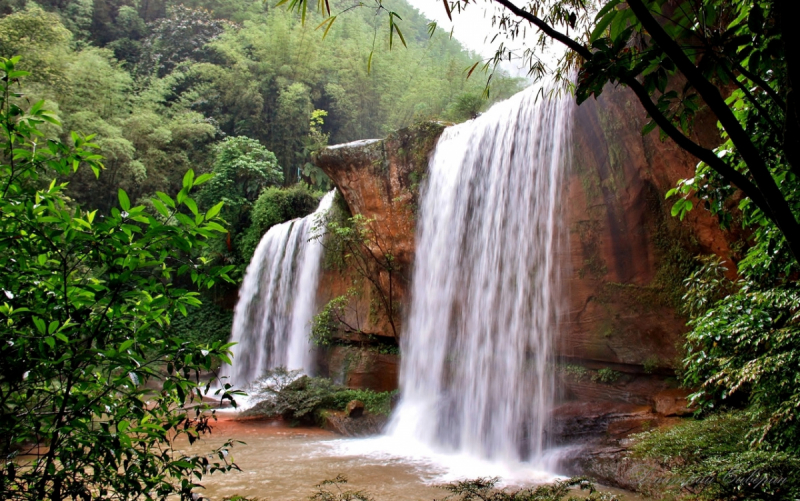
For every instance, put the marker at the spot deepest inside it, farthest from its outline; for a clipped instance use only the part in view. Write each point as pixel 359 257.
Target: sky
pixel 473 28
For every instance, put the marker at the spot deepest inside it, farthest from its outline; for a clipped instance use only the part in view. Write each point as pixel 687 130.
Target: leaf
pixel 36 107
pixel 402 39
pixel 202 178
pixel 607 8
pixel 50 118
pixel 213 211
pixel 160 207
pixel 188 202
pixel 188 178
pixel 677 207
pixel 166 199
pixel 431 28
pixel 447 9
pixel 216 227
pixel 756 19
pixel 369 61
pixel 473 68
pixel 618 26
pixel 183 218
pixel 602 25
pixel 124 201
pixel 329 21
pixel 649 127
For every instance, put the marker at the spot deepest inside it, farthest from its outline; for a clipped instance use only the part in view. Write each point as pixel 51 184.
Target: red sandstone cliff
pixel 627 255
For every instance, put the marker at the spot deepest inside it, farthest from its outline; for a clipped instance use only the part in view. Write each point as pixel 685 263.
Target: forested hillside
pixel 240 88
pixel 164 84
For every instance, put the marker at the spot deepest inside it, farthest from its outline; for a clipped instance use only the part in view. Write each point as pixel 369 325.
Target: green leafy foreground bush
pixel 301 398
pixel 711 459
pixel 94 391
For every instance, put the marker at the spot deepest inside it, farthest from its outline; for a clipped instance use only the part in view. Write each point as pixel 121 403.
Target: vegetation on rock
pixel 300 398
pixel 711 459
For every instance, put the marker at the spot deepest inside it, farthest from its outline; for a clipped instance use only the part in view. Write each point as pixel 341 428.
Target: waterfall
pixel 272 320
pixel 476 373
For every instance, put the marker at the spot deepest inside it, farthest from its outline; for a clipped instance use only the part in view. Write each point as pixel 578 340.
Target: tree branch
pixel 781 211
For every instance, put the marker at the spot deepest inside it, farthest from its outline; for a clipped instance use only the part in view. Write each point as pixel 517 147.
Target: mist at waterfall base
pixel 476 374
pixel 272 319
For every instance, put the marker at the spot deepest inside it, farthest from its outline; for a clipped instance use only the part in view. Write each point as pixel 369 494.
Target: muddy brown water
pixel 283 463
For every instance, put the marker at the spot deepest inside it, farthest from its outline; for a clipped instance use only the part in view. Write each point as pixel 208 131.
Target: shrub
pixel 375 402
pixel 301 398
pixel 711 459
pixel 325 491
pixel 484 489
pixel 84 341
pixel 745 347
pixel 275 206
pixel 577 372
pixel 606 376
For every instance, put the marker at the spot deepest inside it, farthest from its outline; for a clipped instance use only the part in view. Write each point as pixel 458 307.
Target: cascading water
pixel 476 369
pixel 271 322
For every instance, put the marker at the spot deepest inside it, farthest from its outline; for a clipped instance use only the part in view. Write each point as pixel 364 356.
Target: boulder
pixel 364 426
pixel 672 402
pixel 355 409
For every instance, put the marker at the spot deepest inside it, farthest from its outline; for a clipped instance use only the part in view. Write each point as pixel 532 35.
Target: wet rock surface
pixel 353 426
pixel 354 409
pixel 379 180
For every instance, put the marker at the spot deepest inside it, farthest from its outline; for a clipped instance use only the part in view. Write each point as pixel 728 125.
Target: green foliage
pixel 466 106
pixel 242 169
pixel 375 402
pixel 484 489
pixel 315 142
pixel 179 37
pixel 744 346
pixel 40 40
pixel 577 372
pixel 706 285
pixel 325 491
pixel 330 320
pixel 301 398
pixel 91 382
pixel 274 206
pixel 710 459
pixel 650 364
pixel 162 82
pixel 204 325
pixel 361 243
pixel 606 376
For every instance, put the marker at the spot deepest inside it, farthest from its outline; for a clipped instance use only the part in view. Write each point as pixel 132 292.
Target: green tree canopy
pixel 243 167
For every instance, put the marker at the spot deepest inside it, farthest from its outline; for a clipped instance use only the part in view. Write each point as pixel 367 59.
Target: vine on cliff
pixel 364 246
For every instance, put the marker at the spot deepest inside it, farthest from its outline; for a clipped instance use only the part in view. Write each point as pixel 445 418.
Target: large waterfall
pixel 271 322
pixel 476 374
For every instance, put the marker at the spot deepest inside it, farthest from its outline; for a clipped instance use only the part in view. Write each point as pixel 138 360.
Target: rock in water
pixel 355 408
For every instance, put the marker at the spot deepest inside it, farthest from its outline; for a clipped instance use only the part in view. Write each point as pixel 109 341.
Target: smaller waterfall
pixel 272 320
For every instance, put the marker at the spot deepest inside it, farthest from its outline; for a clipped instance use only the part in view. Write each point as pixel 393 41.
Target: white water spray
pixel 476 374
pixel 272 320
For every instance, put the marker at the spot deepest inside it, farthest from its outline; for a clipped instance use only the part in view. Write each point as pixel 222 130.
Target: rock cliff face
pixel 622 333
pixel 379 180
